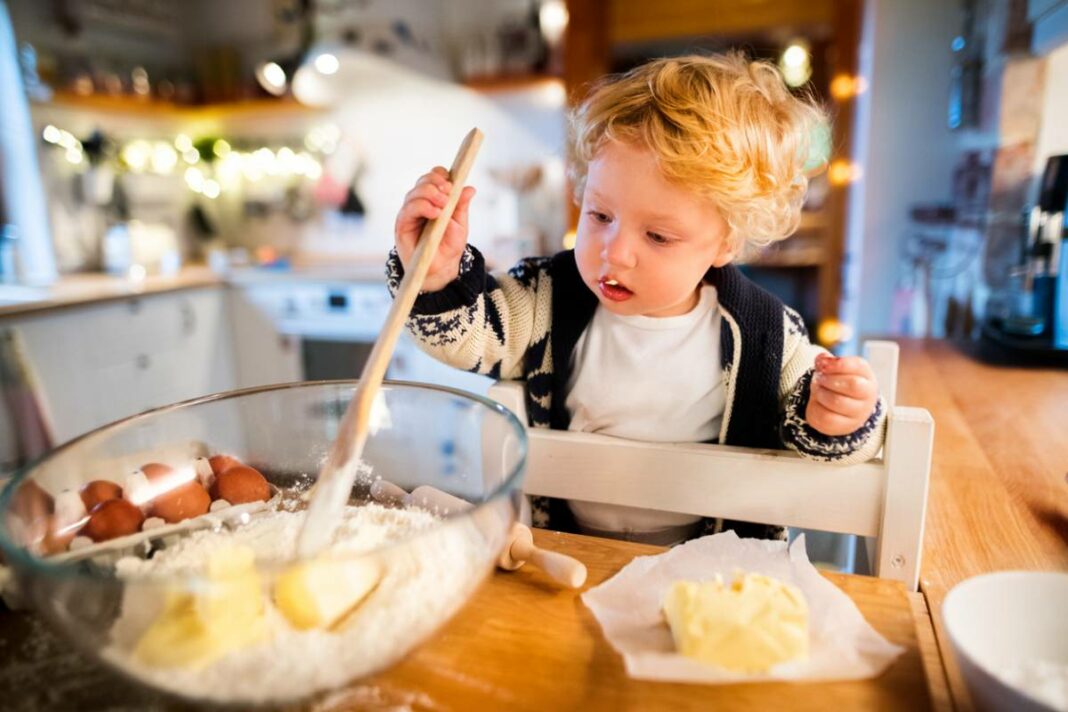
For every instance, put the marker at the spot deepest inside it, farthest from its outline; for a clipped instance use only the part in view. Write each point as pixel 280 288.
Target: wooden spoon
pixel 334 484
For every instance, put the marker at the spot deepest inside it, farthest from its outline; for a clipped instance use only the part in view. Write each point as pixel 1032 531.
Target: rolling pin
pixel 519 546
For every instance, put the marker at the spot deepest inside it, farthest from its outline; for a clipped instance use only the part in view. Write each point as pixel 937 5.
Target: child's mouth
pixel 613 290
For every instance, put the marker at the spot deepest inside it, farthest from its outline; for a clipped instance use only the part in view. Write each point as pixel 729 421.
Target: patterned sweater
pixel 525 324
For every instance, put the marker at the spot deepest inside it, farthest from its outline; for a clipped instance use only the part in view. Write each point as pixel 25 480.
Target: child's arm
pixel 831 408
pixel 466 317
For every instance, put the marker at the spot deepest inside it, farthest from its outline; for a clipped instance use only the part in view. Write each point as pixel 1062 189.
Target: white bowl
pixel 1007 629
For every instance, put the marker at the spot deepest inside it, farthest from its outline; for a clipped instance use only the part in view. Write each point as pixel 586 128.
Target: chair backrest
pixel 884 498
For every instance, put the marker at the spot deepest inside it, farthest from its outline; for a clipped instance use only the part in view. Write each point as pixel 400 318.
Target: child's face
pixel 644 244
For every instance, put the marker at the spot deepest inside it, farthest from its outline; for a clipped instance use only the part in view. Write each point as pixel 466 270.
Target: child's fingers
pixel 428 191
pixel 455 238
pixel 417 210
pixel 829 422
pixel 839 404
pixel 859 387
pixel 845 365
pixel 459 214
pixel 410 222
pixel 435 179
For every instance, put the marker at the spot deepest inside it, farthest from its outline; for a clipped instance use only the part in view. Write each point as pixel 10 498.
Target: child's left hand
pixel 842 395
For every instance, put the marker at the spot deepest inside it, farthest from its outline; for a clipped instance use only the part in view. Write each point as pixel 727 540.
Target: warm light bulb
pixel 795 56
pixel 569 239
pixel 194 179
pixel 842 172
pixel 831 332
pixel 272 77
pixel 553 18
pixel 327 63
pixel 164 158
pixel 842 87
pixel 796 64
pixel 845 87
pixel 137 154
pixel 67 140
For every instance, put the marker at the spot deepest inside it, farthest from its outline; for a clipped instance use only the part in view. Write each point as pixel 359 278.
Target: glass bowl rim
pixel 39 565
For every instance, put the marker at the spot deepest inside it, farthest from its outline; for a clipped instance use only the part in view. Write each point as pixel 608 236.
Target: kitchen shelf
pixel 268 120
pixel 129 105
pixel 512 82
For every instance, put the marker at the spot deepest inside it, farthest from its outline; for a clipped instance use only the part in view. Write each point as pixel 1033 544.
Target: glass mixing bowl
pixel 215 606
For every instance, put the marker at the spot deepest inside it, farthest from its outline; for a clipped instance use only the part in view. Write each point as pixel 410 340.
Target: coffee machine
pixel 1034 319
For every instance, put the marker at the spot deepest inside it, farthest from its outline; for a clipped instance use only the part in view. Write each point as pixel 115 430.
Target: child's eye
pixel 599 217
pixel 658 238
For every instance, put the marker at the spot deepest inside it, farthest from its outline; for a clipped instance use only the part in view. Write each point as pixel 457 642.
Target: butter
pixel 319 593
pixel 196 628
pixel 753 624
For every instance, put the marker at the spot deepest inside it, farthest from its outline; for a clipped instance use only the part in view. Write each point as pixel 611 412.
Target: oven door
pixel 330 359
pixel 325 358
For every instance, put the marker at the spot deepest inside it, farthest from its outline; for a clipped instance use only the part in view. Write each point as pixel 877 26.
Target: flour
pixel 1042 680
pixel 428 576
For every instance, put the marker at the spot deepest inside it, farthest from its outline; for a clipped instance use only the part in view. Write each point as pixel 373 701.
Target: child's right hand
pixel 425 202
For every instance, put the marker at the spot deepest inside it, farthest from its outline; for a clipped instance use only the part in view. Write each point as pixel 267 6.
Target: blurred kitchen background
pixel 200 195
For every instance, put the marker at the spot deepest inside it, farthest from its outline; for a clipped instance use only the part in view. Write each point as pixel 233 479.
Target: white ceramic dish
pixel 1003 627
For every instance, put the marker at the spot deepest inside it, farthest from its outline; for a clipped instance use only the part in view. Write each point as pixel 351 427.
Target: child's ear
pixel 728 250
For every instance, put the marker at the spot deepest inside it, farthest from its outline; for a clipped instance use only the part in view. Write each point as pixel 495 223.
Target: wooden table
pixel 522 643
pixel 998 495
pixel 525 644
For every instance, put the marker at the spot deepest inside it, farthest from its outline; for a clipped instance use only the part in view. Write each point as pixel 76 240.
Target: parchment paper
pixel 843 645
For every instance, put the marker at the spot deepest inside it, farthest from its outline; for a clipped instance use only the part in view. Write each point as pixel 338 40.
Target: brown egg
pixel 113 518
pixel 32 508
pixel 222 463
pixel 155 471
pixel 188 500
pixel 97 491
pixel 239 485
pixel 57 540
pixel 164 479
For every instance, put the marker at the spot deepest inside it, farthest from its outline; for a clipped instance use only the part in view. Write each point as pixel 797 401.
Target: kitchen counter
pixel 88 288
pixel 998 495
pixel 523 643
pixel 78 289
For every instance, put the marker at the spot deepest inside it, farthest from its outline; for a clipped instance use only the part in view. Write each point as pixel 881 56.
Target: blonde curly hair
pixel 723 126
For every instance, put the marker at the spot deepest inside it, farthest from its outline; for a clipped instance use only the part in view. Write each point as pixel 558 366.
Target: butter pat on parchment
pixel 749 626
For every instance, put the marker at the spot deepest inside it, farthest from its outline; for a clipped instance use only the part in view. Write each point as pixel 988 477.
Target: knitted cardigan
pixel 525 324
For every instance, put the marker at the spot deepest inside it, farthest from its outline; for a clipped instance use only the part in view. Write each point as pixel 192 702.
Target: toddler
pixel 646 330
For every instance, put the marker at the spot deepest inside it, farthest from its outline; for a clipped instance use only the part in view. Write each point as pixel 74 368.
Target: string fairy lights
pixel 227 167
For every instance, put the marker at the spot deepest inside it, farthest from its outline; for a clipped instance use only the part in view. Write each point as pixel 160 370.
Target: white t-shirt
pixel 656 379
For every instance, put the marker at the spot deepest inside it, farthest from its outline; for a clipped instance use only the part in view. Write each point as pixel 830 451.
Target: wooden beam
pixel 587 57
pixel 641 20
pixel 846 45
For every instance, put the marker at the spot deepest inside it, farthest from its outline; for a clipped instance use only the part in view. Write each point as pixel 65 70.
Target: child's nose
pixel 618 250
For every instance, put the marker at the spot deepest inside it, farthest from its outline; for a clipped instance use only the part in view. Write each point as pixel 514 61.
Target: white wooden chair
pixel 884 498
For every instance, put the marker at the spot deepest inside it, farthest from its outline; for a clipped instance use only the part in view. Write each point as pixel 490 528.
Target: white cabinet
pixel 263 352
pixel 102 362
